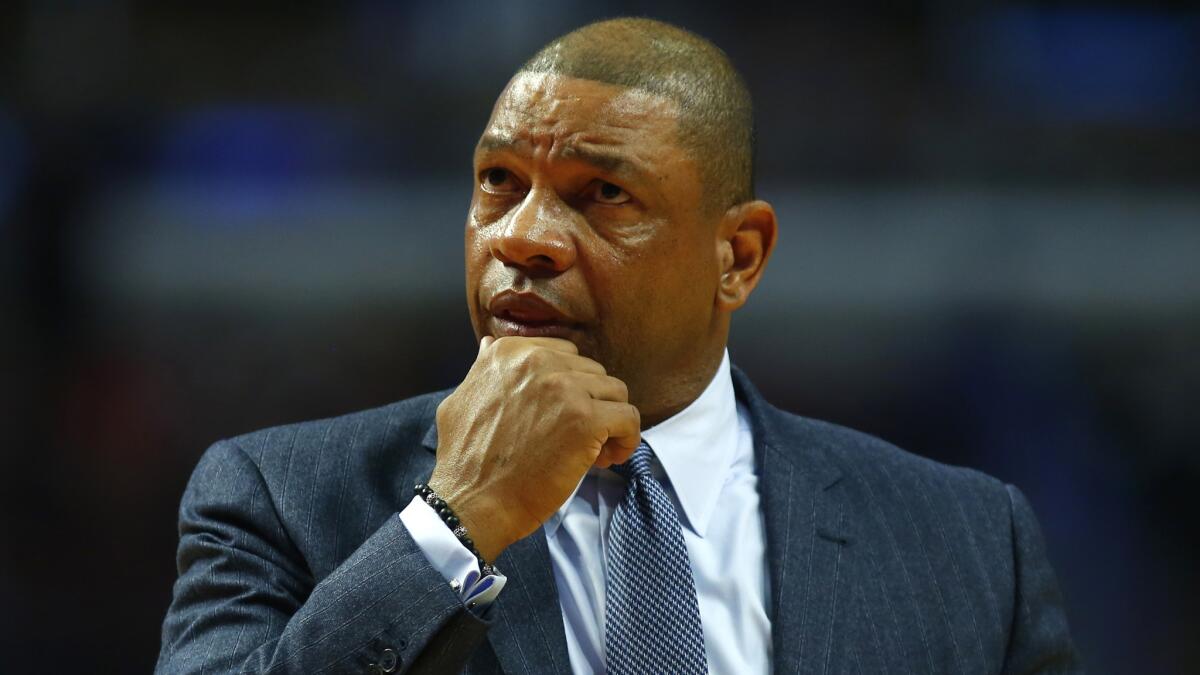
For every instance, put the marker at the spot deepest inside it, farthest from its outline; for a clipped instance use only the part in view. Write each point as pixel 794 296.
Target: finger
pixel 556 344
pixel 613 453
pixel 581 364
pixel 603 387
pixel 623 424
pixel 485 342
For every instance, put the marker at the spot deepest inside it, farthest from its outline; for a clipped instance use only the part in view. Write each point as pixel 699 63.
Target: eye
pixel 608 193
pixel 498 181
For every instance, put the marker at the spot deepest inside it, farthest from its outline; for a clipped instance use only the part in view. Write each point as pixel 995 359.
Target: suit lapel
pixel 527 633
pixel 807 538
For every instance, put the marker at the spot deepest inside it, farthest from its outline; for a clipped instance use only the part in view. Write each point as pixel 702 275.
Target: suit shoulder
pixel 342 475
pixel 891 472
pixel 922 507
pixel 401 423
pixel 830 452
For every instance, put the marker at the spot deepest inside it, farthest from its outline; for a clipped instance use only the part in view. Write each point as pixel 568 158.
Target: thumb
pixel 485 342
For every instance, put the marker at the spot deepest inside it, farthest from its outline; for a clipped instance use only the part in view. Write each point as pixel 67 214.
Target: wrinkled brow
pixel 609 162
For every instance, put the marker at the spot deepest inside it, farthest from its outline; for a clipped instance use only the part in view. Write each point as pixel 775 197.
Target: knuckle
pixel 538 355
pixel 578 412
pixel 443 408
pixel 505 345
pixel 580 407
pixel 635 416
pixel 621 388
pixel 522 359
pixel 555 382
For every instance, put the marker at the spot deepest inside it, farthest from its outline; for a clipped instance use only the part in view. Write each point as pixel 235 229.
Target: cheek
pixel 655 288
pixel 476 248
pixel 625 240
pixel 680 287
pixel 488 210
pixel 475 259
pixel 475 245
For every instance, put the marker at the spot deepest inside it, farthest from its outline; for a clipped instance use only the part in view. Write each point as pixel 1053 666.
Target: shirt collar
pixel 695 447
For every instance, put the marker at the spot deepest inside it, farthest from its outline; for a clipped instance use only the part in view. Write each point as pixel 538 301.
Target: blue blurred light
pixel 250 163
pixel 1081 64
pixel 262 144
pixel 14 158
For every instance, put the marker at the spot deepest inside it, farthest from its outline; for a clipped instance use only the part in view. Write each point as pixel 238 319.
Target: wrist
pixel 480 519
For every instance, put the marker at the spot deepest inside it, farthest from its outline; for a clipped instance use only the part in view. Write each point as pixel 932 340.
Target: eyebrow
pixel 612 163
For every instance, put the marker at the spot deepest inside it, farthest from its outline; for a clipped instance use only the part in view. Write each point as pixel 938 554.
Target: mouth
pixel 527 315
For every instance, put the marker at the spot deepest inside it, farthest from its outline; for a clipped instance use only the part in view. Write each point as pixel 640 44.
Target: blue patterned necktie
pixel 652 619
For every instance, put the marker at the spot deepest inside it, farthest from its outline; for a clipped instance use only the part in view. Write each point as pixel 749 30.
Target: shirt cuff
pixel 449 557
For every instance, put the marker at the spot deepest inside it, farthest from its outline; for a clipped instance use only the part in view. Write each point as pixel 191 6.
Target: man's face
pixel 586 224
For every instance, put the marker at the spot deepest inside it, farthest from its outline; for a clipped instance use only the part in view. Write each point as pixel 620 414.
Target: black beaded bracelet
pixel 446 513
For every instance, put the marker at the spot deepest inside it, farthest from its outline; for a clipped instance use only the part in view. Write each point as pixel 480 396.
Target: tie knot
pixel 638 465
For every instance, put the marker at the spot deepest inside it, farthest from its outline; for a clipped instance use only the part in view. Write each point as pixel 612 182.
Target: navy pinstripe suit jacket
pixel 292 560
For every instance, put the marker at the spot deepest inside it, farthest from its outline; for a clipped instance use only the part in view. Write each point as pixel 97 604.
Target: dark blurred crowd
pixel 219 217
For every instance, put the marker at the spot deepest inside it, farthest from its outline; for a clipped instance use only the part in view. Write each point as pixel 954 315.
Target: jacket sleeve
pixel 1039 641
pixel 246 602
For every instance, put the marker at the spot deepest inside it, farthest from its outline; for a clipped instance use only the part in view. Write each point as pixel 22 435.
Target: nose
pixel 536 236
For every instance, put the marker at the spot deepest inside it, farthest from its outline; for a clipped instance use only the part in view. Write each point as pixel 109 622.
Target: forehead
pixel 539 107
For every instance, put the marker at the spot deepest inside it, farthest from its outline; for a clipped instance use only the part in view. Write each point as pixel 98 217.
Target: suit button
pixel 388 661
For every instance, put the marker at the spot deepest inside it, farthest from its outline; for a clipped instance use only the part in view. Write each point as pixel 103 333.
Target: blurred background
pixel 216 217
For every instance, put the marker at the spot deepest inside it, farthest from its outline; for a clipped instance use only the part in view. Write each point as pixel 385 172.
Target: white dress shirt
pixel 705 454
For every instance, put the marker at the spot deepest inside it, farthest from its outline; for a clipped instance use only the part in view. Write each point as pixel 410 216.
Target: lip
pixel 527 315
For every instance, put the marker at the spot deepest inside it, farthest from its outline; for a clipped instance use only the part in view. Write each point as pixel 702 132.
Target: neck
pixel 680 389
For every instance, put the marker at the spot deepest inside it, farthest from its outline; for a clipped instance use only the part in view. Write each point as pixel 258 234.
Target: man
pixel 645 509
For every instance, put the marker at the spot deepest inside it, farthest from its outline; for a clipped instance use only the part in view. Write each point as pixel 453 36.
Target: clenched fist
pixel 515 438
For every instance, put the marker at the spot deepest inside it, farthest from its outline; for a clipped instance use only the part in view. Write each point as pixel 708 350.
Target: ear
pixel 745 240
